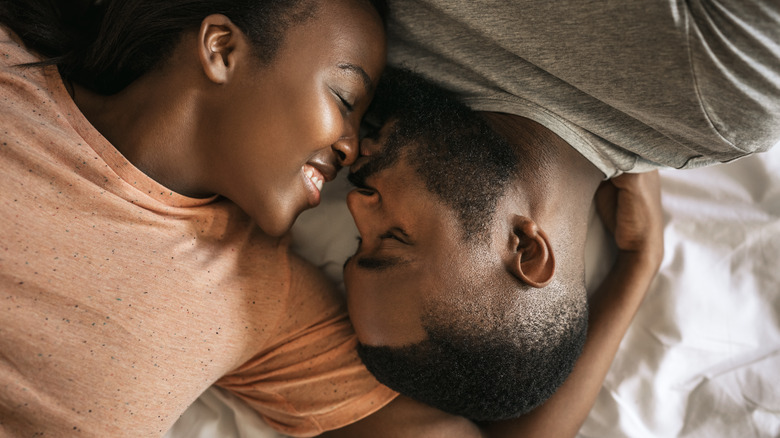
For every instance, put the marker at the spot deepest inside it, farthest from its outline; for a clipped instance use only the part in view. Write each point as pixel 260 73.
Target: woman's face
pixel 286 128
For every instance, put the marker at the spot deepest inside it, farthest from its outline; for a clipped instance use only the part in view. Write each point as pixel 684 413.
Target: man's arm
pixel 630 206
pixel 631 209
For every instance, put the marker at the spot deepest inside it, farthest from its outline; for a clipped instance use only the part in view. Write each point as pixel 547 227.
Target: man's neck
pixel 556 190
pixel 556 171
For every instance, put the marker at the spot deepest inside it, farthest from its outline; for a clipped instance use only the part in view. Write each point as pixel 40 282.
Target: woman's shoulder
pixel 13 51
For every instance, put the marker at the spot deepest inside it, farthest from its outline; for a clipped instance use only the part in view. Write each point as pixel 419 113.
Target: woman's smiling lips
pixel 316 174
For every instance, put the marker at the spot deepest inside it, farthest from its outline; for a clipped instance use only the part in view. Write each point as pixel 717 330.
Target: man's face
pixel 410 251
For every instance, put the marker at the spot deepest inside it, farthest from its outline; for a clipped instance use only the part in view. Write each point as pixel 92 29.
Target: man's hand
pixel 630 206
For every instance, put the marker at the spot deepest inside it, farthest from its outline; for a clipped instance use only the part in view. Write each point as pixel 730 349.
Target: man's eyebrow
pixel 381 263
pixel 360 72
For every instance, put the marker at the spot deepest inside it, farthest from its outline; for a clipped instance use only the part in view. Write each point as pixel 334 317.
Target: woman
pixel 197 98
pixel 142 142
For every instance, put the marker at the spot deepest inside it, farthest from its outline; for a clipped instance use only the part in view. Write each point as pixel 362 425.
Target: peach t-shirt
pixel 121 301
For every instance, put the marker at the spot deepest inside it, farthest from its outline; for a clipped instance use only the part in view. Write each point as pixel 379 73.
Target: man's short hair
pixel 489 360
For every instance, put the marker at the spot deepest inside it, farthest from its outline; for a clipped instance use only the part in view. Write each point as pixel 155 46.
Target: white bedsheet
pixel 702 358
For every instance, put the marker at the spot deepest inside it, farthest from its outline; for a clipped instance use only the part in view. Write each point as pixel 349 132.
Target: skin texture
pixel 213 120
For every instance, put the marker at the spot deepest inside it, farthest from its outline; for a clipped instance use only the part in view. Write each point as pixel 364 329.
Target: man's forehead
pixel 387 157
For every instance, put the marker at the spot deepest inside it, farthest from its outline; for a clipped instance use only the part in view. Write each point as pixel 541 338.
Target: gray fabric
pixel 632 85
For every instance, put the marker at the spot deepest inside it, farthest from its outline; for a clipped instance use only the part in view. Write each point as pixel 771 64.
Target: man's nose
pixel 364 206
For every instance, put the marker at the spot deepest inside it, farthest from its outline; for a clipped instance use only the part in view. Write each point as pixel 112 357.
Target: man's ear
pixel 532 260
pixel 218 41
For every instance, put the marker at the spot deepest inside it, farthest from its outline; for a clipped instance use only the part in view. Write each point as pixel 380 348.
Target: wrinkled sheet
pixel 702 357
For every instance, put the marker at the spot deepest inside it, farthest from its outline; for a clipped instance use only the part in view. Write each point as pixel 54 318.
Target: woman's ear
pixel 532 260
pixel 218 41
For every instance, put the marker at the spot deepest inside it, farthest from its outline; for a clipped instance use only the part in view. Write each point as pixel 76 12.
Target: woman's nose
pixel 347 147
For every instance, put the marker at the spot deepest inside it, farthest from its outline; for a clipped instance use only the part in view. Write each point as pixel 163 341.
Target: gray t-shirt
pixel 632 85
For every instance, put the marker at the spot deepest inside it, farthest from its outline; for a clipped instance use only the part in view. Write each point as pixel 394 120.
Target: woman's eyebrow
pixel 358 70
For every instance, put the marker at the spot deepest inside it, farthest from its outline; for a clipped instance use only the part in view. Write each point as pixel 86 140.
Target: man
pixel 460 300
pixel 575 94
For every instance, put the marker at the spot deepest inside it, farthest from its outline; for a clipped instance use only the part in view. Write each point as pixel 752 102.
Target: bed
pixel 702 357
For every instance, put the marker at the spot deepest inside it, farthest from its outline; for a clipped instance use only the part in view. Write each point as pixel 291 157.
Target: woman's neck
pixel 152 123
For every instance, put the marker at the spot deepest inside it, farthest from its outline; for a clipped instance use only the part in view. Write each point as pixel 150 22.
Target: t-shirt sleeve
pixel 631 85
pixel 309 378
pixel 735 57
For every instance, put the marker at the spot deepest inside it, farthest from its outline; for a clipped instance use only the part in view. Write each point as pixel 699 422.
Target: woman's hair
pixel 104 45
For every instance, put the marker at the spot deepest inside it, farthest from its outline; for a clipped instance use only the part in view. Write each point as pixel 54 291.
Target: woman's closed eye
pixel 347 104
pixel 344 99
